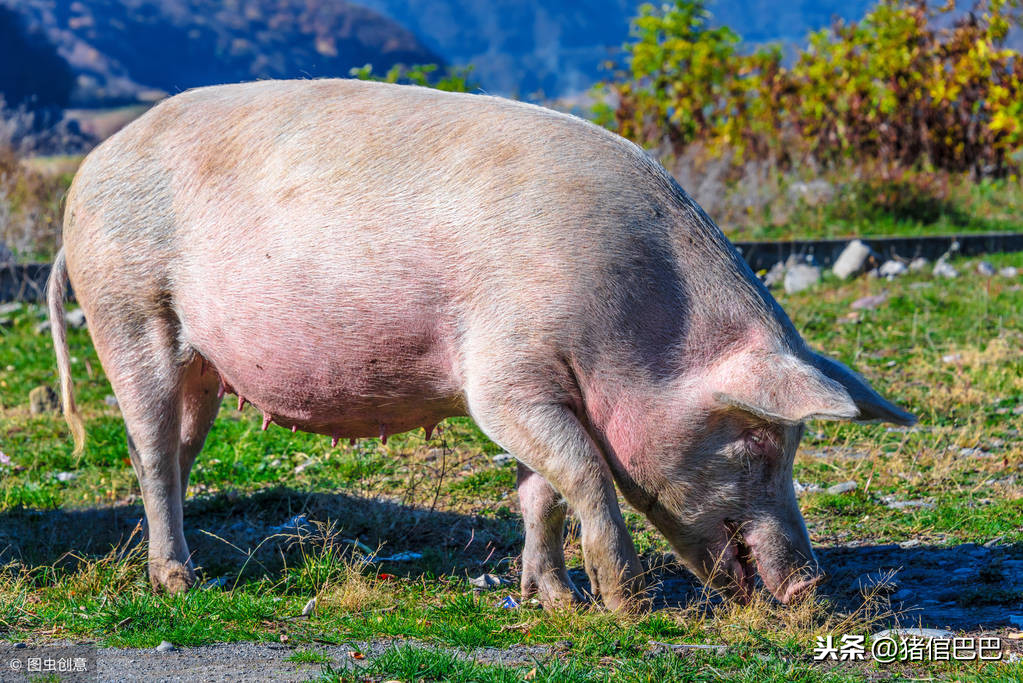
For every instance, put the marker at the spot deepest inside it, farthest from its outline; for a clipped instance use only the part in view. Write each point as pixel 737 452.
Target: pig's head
pixel 716 476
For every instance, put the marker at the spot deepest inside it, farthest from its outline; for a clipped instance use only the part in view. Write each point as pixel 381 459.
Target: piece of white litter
pixel 486 581
pixel 509 603
pixel 309 608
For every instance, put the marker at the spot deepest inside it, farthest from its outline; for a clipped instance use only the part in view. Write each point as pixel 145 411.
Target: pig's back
pixel 367 229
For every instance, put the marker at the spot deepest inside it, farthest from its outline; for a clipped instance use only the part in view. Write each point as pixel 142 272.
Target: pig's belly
pixel 345 373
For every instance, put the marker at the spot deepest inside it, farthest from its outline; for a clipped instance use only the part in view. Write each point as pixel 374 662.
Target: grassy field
pixel 277 518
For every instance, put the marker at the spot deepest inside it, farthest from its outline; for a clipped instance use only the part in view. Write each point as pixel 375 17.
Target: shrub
pixel 907 85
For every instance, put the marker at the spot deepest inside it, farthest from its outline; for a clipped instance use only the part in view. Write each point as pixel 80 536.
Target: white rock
pixel 486 581
pixel 986 269
pixel 1009 271
pixel 775 276
pixel 800 277
pixel 852 259
pixel 67 476
pixel 309 608
pixel 918 264
pixel 944 269
pixel 503 458
pixel 892 269
pixel 75 318
pixel 844 487
pixel 165 646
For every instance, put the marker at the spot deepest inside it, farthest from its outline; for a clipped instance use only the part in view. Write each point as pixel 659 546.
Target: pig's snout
pixel 800 588
pixel 788 570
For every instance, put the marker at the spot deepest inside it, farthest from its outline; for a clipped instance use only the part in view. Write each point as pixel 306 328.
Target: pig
pixel 360 259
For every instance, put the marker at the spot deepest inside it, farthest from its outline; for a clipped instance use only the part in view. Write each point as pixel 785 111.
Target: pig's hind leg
pixel 543 557
pixel 140 351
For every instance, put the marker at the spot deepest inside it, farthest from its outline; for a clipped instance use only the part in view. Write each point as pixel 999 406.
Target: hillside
pixel 129 50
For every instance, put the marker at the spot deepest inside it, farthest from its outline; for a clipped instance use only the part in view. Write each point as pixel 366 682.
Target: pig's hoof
pixel 622 594
pixel 170 575
pixel 552 588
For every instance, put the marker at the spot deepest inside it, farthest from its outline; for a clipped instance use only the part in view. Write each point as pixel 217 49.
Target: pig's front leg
pixel 543 556
pixel 549 439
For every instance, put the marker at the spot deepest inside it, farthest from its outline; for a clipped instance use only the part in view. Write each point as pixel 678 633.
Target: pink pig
pixel 359 259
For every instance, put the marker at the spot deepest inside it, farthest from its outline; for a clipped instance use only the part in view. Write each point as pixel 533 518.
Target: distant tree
pixel 452 79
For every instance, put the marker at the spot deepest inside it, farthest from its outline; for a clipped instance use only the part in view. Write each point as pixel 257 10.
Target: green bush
pixel 905 86
pixel 452 79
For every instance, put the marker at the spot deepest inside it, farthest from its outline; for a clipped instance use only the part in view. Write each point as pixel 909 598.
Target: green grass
pixel 921 205
pixel 450 501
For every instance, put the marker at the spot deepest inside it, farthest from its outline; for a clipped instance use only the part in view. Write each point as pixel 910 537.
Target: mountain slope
pixel 123 50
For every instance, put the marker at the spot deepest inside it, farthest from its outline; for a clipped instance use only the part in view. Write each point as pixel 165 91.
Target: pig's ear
pixel 870 405
pixel 780 387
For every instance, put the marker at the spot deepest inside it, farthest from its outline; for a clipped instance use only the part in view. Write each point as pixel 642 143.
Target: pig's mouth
pixel 738 563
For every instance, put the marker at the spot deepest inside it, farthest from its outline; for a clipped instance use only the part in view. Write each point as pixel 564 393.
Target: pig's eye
pixel 761 443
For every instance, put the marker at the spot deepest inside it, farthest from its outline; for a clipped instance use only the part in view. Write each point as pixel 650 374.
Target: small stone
pixel 800 277
pixel 892 269
pixel 869 302
pixel 309 608
pixel 42 400
pixel 775 276
pixel 945 270
pixel 951 358
pixel 166 646
pixel 911 543
pixel 918 264
pixel 908 504
pixel 66 476
pixel 1009 271
pixel 803 489
pixel 75 318
pixel 486 581
pixel 852 259
pixel 503 458
pixel 110 400
pixel 986 269
pixel 844 487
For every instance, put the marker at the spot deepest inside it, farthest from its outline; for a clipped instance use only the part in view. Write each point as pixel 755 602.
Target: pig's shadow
pixel 967 587
pixel 959 587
